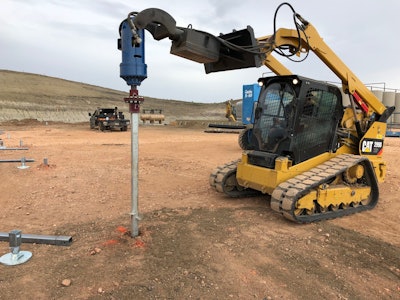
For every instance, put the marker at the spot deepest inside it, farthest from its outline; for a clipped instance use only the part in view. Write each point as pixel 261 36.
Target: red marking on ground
pixel 110 242
pixel 139 244
pixel 122 229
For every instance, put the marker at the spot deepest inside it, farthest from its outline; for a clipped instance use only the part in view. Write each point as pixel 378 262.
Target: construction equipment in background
pixel 250 93
pixel 108 119
pixel 152 115
pixel 240 115
pixel 393 127
pixel 233 116
pixel 316 159
pixel 392 133
pixel 249 104
pixel 230 111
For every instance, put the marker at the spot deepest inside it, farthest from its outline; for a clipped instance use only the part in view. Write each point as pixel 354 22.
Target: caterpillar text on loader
pixel 316 159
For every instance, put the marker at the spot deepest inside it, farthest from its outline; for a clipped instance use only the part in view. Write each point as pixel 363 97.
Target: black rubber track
pixel 286 194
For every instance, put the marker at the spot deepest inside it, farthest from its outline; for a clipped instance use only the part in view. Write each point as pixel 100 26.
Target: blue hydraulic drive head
pixel 133 68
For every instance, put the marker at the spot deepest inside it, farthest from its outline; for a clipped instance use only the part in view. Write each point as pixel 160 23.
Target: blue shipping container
pixel 250 97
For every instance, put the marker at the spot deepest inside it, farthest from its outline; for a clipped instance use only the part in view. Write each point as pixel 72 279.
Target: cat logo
pixel 371 146
pixel 367 146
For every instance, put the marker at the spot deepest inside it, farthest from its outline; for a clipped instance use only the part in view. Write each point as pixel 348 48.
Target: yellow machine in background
pixel 230 111
pixel 315 158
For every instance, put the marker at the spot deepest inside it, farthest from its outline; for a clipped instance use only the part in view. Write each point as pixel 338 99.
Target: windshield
pixel 107 111
pixel 273 115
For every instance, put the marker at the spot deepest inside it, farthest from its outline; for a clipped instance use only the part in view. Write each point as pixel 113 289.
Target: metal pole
pixel 58 240
pixel 4 148
pixel 134 101
pixel 16 160
pixel 135 173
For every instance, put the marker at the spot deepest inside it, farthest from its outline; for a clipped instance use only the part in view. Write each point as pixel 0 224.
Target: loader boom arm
pixel 240 49
pixel 311 40
pixel 276 66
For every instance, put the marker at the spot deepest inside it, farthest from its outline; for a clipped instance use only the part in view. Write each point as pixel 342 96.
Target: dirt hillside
pixel 43 98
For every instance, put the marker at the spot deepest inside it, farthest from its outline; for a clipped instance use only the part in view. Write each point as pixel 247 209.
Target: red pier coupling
pixel 134 101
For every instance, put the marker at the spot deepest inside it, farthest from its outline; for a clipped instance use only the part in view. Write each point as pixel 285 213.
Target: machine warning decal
pixel 371 146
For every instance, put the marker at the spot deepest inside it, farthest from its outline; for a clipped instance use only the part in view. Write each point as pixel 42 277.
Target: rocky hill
pixel 44 98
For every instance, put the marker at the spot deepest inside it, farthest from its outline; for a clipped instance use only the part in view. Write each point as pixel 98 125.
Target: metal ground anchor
pixel 15 257
pixel 23 165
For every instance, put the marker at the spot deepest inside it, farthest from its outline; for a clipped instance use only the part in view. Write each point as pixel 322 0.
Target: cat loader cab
pixel 295 117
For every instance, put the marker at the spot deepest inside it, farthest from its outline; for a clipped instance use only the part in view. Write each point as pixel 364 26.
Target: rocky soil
pixel 194 243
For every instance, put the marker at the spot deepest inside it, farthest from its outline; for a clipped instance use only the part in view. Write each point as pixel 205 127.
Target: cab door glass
pixel 273 111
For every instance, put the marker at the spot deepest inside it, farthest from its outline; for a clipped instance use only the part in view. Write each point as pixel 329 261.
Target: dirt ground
pixel 194 243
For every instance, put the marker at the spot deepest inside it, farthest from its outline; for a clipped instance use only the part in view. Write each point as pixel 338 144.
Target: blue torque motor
pixel 133 68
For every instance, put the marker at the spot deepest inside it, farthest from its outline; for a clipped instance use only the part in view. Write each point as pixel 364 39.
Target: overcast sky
pixel 77 40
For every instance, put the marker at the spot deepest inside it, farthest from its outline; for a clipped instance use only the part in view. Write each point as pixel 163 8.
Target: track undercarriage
pixel 223 180
pixel 341 186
